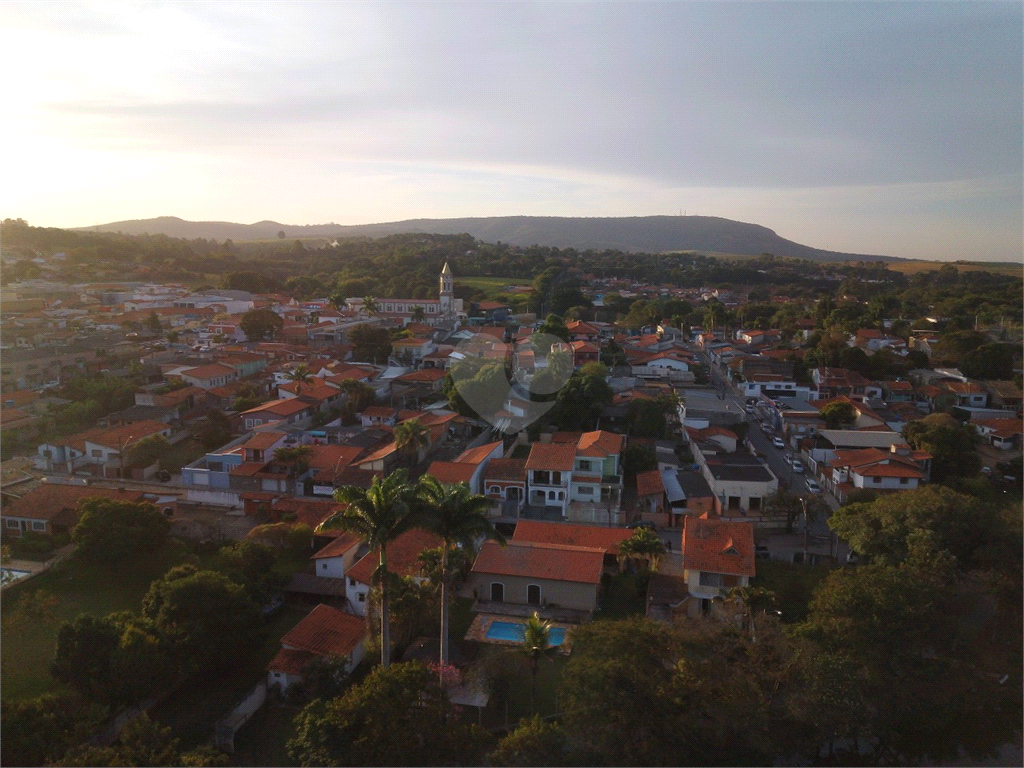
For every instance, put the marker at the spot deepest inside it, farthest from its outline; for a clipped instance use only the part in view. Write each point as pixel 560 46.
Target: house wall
pixel 564 594
pixel 886 484
pixel 358 595
pixel 699 591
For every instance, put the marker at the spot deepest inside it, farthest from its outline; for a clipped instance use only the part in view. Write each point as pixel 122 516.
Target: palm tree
pixel 458 517
pixel 418 314
pixel 370 305
pixel 378 515
pixel 300 375
pixel 644 545
pixel 536 644
pixel 411 435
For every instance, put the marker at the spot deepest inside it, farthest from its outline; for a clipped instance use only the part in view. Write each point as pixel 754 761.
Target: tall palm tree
pixel 458 517
pixel 300 375
pixel 378 515
pixel 537 645
pixel 644 545
pixel 410 436
pixel 752 600
pixel 370 305
pixel 418 314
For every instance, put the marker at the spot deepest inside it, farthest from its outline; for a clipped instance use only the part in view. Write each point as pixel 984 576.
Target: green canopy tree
pixel 411 436
pixel 533 742
pixel 378 515
pixel 643 546
pixel 260 324
pixel 838 414
pixel 397 716
pixel 459 518
pixel 115 532
pixel 951 445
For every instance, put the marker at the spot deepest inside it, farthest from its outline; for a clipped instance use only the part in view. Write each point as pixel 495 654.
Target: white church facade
pixel 445 308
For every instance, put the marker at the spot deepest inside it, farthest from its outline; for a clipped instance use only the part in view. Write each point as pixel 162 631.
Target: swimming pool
pixel 513 632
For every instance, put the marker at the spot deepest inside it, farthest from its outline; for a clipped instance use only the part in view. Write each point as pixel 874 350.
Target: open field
pixel 995 267
pixel 34 610
pixel 492 286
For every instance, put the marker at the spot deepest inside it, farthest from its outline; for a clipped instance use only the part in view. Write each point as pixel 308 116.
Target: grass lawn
pixel 492 285
pixel 792 584
pixel 511 696
pixel 34 610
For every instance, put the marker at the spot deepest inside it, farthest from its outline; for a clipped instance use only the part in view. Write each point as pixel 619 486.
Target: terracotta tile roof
pixel 120 438
pixel 403 556
pixel 380 411
pixel 428 375
pixel 649 483
pixel 326 631
pixel 551 456
pixel 451 472
pixel 59 502
pixel 210 371
pixel 567 534
pixel 262 441
pixel 342 544
pixel 291 662
pixel 328 458
pixel 280 407
pixel 505 469
pixel 887 470
pixel 311 513
pixel 600 443
pixel 380 453
pixel 541 561
pixel 718 546
pixel 478 454
pixel 248 468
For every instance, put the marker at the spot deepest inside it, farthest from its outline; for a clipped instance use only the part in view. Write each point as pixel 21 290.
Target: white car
pixel 788 459
pixel 777 442
pixel 798 468
pixel 812 485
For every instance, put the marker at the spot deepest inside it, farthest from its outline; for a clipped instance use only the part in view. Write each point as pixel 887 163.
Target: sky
pixel 892 128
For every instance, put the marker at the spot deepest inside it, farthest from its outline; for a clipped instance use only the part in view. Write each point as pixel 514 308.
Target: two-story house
pixel 718 555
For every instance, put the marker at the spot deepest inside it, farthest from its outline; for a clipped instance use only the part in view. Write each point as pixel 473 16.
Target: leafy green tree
pixel 533 742
pixel 990 362
pixel 580 402
pixel 459 518
pixel 116 532
pixel 260 324
pixel 208 619
pixel 213 430
pixel 85 649
pixel 838 414
pixel 147 451
pixel 951 445
pixel 378 515
pixel 296 459
pixel 41 730
pixel 370 344
pixel 143 742
pixel 397 716
pixel 638 457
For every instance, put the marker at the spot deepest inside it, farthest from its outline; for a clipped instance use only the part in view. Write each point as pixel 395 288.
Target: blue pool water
pixel 513 632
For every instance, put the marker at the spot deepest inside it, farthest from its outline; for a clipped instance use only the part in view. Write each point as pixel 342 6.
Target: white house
pixel 326 633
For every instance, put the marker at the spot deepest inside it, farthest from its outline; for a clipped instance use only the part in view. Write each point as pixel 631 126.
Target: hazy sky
pixel 874 127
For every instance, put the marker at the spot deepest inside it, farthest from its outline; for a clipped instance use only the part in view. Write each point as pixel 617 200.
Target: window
pixel 351 582
pixel 362 597
pixel 584 465
pixel 494 489
pixel 556 478
pixel 711 579
pixel 533 594
pixel 497 592
pixel 586 490
pixel 38 525
pixel 876 479
pixel 12 523
pixel 95 453
pixel 323 566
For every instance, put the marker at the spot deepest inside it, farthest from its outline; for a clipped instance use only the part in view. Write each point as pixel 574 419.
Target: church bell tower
pixel 447 290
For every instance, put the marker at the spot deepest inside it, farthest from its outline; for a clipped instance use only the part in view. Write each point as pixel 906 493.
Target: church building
pixel 444 309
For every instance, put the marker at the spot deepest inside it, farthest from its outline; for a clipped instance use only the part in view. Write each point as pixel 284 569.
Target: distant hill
pixel 647 234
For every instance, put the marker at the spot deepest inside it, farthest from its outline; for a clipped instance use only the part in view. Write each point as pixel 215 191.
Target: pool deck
pixel 482 623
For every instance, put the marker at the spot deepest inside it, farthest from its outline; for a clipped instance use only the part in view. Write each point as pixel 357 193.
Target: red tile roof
pixel 718 546
pixel 451 472
pixel 567 534
pixel 403 556
pixel 261 441
pixel 600 443
pixel 552 456
pixel 342 544
pixel 649 483
pixel 541 561
pixel 505 469
pixel 291 662
pixel 312 513
pixel 478 454
pixel 120 438
pixel 326 631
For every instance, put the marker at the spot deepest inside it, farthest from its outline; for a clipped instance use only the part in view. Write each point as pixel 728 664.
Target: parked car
pixel 812 485
pixel 798 468
pixel 788 459
pixel 777 442
pixel 766 427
